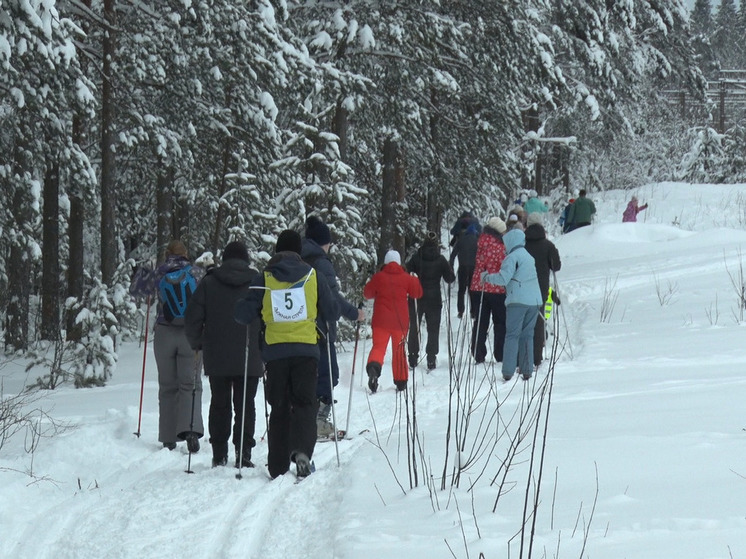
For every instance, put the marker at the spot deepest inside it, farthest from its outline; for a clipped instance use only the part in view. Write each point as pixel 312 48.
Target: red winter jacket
pixel 390 288
pixel 490 256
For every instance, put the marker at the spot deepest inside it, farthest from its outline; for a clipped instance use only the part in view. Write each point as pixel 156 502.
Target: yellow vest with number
pixel 289 310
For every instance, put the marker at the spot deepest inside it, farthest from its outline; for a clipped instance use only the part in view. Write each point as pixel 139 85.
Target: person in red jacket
pixel 390 288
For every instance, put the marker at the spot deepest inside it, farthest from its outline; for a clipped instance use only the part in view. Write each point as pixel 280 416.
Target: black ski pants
pixel 487 307
pixel 431 309
pixel 464 280
pixel 227 400
pixel 291 391
pixel 539 339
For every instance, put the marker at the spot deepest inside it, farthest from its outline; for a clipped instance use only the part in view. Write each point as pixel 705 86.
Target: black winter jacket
pixel 545 255
pixel 430 266
pixel 314 255
pixel 466 249
pixel 209 323
pixel 286 267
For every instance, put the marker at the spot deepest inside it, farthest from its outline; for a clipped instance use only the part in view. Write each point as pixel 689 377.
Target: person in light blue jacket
pixel 523 301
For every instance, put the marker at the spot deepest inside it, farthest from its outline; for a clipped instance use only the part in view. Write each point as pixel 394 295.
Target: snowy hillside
pixel 645 454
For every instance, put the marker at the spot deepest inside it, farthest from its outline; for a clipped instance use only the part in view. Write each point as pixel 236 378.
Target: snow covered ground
pixel 645 451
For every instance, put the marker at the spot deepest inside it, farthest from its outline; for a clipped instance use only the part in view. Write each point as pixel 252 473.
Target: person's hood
pixel 287 266
pixel 393 268
pixel 513 239
pixel 492 232
pixel 173 262
pixel 311 249
pixel 233 272
pixel 429 252
pixel 535 232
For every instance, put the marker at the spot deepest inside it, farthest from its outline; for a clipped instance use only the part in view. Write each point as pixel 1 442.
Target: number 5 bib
pixel 289 309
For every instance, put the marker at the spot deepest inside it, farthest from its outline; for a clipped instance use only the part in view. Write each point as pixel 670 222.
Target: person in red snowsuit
pixel 390 288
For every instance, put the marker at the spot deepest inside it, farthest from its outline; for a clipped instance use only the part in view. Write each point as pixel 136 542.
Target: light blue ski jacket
pixel 517 273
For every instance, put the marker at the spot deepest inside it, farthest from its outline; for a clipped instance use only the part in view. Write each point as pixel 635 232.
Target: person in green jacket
pixel 581 212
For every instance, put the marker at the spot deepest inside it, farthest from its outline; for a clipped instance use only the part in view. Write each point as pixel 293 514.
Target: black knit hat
pixel 235 249
pixel 288 241
pixel 431 238
pixel 318 231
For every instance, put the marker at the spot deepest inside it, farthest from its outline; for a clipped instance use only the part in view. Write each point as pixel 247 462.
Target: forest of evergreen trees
pixel 126 123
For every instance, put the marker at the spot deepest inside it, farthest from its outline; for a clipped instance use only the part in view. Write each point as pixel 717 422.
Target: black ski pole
pixel 352 373
pixel 266 409
pixel 562 314
pixel 197 368
pixel 144 358
pixel 243 406
pixel 331 386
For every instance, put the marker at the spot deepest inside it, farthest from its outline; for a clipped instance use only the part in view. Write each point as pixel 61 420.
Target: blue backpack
pixel 176 288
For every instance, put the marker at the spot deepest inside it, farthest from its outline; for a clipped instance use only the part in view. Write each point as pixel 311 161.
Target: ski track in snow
pixel 210 512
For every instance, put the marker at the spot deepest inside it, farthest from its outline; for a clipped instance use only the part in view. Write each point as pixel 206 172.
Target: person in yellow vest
pixel 288 296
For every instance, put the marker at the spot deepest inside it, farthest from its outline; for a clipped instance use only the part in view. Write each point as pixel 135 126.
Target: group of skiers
pixel 281 325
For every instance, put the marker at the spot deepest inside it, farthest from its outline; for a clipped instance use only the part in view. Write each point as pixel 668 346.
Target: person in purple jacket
pixel 630 213
pixel 178 385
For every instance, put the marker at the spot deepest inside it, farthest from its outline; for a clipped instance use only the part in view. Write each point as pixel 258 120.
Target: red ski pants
pixel 381 337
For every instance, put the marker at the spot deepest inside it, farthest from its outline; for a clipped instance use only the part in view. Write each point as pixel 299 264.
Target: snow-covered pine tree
pixel 42 86
pixel 725 37
pixel 608 66
pixel 703 161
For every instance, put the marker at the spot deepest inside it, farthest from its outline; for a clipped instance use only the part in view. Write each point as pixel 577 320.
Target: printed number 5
pixel 288 301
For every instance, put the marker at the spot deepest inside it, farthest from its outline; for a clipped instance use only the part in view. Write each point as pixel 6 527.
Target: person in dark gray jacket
pixel 465 250
pixel 210 328
pixel 547 259
pixel 431 267
pixel 314 251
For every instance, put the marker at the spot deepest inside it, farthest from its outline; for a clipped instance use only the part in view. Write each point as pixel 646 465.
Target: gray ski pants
pixel 519 339
pixel 176 382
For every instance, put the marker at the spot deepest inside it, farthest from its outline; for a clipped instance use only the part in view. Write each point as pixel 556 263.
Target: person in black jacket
pixel 466 251
pixel 288 297
pixel 314 251
pixel 209 327
pixel 547 259
pixel 431 267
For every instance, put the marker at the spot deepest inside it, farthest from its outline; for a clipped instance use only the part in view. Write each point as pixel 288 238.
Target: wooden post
pixel 721 119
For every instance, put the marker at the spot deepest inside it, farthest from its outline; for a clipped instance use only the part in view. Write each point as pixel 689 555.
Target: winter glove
pixel 206 260
pixel 555 298
pixel 483 277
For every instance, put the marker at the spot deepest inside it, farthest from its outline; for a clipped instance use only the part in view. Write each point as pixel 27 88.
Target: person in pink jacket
pixel 389 289
pixel 630 214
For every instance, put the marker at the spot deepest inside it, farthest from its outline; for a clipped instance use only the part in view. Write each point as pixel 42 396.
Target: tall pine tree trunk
pixel 340 127
pixel 433 208
pixel 393 193
pixel 19 270
pixel 388 198
pixel 76 222
pixel 50 295
pixel 222 189
pixel 108 156
pixel 164 211
pixel 402 214
pixel 531 176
